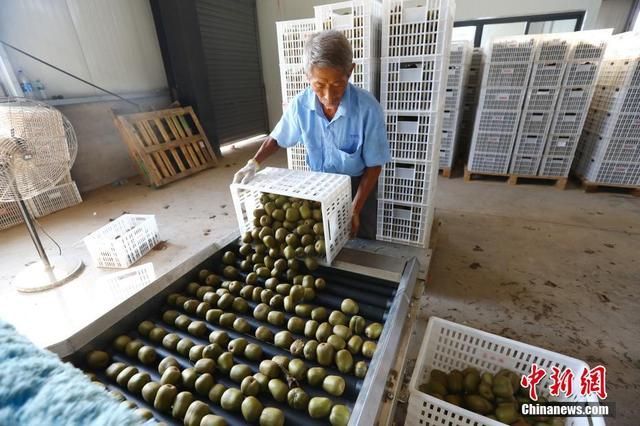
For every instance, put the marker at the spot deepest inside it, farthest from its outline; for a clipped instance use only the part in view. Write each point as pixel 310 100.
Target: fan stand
pixel 49 272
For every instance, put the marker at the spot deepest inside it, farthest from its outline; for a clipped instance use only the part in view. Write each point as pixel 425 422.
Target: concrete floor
pixel 556 269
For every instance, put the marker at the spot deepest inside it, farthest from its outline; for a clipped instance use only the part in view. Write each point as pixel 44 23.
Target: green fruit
pixel 320 283
pixel 270 369
pixel 316 375
pixel 133 347
pixel 281 360
pixel 478 404
pixel 202 309
pixel 308 294
pixel 276 318
pixel 263 272
pixel 325 354
pixel 277 302
pixel 264 333
pixel 189 377
pixel 296 325
pixel 360 370
pixel 289 304
pixel 283 339
pixel 190 306
pixel 204 383
pixel 368 348
pixel 166 363
pixel 310 328
pixel 298 399
pixel 169 317
pixel 213 315
pixel 271 283
pixel 213 420
pixel 212 351
pixel 319 407
pixel 373 330
pixel 507 413
pixel 195 413
pixel 320 247
pixel 137 382
pixel 184 346
pixel 231 399
pixel 310 349
pixel 471 381
pixel 261 311
pixel 246 292
pixel 225 361
pixel 323 332
pixel 219 337
pixel 433 388
pixel 205 365
pixel 344 361
pixel 251 409
pixel 256 295
pixel 125 375
pixel 342 331
pixel 337 317
pixel 349 307
pixel 438 376
pixel 272 417
pixel 454 399
pixel 270 241
pixel 234 288
pixel 97 359
pixel 181 405
pixel 297 348
pixel 198 329
pixel 354 345
pixel 357 324
pixel 250 386
pixel 241 326
pixel 308 281
pixel 263 381
pixel 334 385
pixel 253 352
pixel 251 279
pixel 339 416
pixel 297 369
pixel 171 376
pixel 225 301
pixel 301 309
pixel 149 391
pixel 502 387
pixel 239 372
pixel 212 280
pixel 193 287
pixel 484 390
pixel 145 327
pixel 278 389
pixel 311 263
pixel 230 272
pixel 195 353
pixel 337 342
pixel 216 392
pixel 164 397
pixel 283 289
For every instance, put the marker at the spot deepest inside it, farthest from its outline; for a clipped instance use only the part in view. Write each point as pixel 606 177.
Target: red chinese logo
pixel 561 382
pixel 531 380
pixel 591 381
pixel 594 381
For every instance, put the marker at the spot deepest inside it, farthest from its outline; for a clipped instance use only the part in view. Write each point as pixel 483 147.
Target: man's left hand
pixel 355 224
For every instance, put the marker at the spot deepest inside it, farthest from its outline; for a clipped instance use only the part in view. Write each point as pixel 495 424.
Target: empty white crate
pixel 541 99
pixel 124 241
pixel 546 74
pixel 411 84
pixel 333 191
pixel 404 223
pixel 413 136
pixel 405 182
pixel 416 27
pixel 574 99
pixel 581 74
pixel 292 81
pixel 297 157
pixel 55 199
pixel 292 35
pixel 447 346
pixel 512 49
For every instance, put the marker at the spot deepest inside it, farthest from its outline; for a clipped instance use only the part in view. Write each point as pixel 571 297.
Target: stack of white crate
pixel 64 194
pixel 609 152
pixel 470 102
pixel 578 87
pixel 457 74
pixel 292 36
pixel 415 54
pixel 542 93
pixel 504 86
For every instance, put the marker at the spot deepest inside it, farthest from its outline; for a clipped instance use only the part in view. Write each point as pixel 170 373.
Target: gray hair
pixel 328 49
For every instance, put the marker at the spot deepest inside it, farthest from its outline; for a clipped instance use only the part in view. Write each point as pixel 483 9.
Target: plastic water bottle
pixel 39 90
pixel 25 85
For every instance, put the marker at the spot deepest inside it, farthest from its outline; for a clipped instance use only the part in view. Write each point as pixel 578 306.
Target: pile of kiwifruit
pixel 497 396
pixel 322 346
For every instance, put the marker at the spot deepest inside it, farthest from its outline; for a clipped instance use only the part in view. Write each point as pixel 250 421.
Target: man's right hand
pixel 245 174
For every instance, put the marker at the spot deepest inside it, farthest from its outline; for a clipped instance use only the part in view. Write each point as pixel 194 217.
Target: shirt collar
pixel 314 104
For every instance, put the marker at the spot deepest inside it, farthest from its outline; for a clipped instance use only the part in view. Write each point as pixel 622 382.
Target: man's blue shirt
pixel 356 137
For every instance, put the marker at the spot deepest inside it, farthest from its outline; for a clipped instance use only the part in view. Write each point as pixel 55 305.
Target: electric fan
pixel 37 148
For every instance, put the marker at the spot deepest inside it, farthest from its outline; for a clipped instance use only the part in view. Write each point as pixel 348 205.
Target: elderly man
pixel 341 126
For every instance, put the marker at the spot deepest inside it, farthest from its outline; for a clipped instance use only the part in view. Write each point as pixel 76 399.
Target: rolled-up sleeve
pixel 376 146
pixel 287 132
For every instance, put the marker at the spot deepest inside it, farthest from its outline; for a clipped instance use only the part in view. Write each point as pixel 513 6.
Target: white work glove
pixel 246 173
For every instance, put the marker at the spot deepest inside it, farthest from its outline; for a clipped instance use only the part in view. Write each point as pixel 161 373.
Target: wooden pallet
pixel 512 179
pixel 591 187
pixel 446 171
pixel 167 145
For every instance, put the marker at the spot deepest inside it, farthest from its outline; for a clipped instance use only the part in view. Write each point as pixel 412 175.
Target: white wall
pixel 110 43
pixel 271 11
pixel 614 14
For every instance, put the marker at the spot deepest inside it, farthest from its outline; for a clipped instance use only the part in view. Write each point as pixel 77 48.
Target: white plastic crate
pixel 416 27
pixel 358 20
pixel 614 172
pixel 488 162
pixel 601 149
pixel 297 157
pixel 55 199
pixel 333 191
pixel 447 346
pixel 541 99
pixel 501 99
pixel 555 166
pixel 9 215
pixel 581 74
pixel 568 122
pixel 551 47
pixel 497 121
pixel 454 75
pixel 613 125
pixel 122 242
pixel 529 144
pixel 499 143
pixel 413 136
pixel 365 75
pixel 546 74
pixel 451 96
pixel 292 81
pixel 561 145
pixel 512 74
pixel 292 36
pixel 524 166
pixel 512 49
pixel 589 46
pixel 617 99
pixel 405 182
pixel 408 84
pixel 620 72
pixel 574 98
pixel 407 224
pixel 460 52
pixel 535 122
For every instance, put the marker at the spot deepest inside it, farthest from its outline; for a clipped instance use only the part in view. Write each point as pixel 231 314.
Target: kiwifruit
pixel 278 389
pixel 319 314
pixel 145 327
pixel 311 263
pixel 149 391
pixel 212 351
pixel 344 361
pixel 310 328
pixel 133 347
pixel 319 407
pixel 307 281
pixel 253 352
pixel 256 294
pixel 147 355
pixel 241 325
pixel 296 325
pixel 297 369
pixel 202 309
pixel 205 365
pixel 271 283
pixel 276 318
pixel 166 363
pixel 189 377
pixel 204 383
pixel 263 271
pixel 137 382
pixel 195 413
pixel 231 399
pixel 261 311
pixel 270 369
pixel 283 289
pixel 192 287
pixel 169 316
pixel 219 337
pixel 235 287
pixel 213 315
pixel 184 346
pixel 225 361
pixel 198 329
pixel 212 280
pixel 195 353
pixel 298 399
pixel 334 385
pixel 97 359
pixel 349 307
pixel 290 274
pixel 251 409
pixel 246 292
pixel 323 332
pixel 181 404
pixel 320 247
pixel 164 398
pixel 277 302
pixel 283 339
pixel 316 375
pixel 357 324
pixel 373 330
pixel 157 334
pixel 203 290
pixel 339 415
pixel 264 333
pixel 239 372
pixel 230 272
pixel 246 265
pixel 237 346
pixel 337 318
pixel 266 295
pixel 227 319
pixel 320 283
pixel 360 370
pixel 337 342
pixel 215 394
pixel 289 304
pixel 191 305
pixel 324 354
pixel 250 386
pixel 225 301
pixel 308 295
pixel 281 360
pixel 272 417
pixel 342 331
pixel 297 348
pixel 354 345
pixel 368 348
